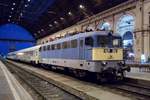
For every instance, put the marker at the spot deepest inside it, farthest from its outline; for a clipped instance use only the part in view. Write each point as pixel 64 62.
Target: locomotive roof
pixel 80 35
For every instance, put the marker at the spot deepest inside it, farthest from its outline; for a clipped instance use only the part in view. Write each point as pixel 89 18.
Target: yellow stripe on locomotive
pixel 107 54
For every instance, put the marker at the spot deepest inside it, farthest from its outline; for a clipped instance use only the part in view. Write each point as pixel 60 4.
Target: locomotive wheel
pixel 100 78
pixel 79 73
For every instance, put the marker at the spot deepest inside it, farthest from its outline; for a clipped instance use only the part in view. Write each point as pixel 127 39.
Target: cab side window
pixel 81 43
pixel 89 41
pixel 74 43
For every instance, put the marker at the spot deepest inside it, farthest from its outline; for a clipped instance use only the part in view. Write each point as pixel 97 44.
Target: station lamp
pixel 81 7
pixel 55 22
pixel 61 18
pixel 25 5
pixel 12 8
pixel 42 29
pixel 14 4
pixel 8 20
pixel 39 32
pixel 69 13
pixel 50 25
pixel 21 14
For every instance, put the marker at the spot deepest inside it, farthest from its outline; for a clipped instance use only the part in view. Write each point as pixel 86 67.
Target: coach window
pixel 52 46
pixel 74 43
pixel 81 43
pixel 65 45
pixel 55 46
pixel 68 44
pixel 89 41
pixel 43 48
pixel 48 47
pixel 58 46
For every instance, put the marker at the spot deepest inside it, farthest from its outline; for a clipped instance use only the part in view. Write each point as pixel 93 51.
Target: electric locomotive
pixel 97 52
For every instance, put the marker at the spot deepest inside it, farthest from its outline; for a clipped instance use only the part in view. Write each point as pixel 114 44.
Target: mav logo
pixel 110 57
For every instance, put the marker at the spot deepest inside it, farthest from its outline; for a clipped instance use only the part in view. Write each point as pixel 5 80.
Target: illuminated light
pixel 20 54
pixel 12 8
pixel 10 16
pixel 69 13
pixel 81 6
pixel 21 14
pixel 29 0
pixel 8 20
pixel 25 5
pixel 61 18
pixel 14 4
pixel 55 22
pixel 143 58
pixel 39 32
pixel 42 29
pixel 50 25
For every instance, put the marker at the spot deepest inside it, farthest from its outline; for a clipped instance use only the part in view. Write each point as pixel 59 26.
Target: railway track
pixel 138 91
pixel 44 89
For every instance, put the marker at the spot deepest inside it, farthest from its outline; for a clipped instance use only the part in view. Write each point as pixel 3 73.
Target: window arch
pixel 125 27
pixel 125 23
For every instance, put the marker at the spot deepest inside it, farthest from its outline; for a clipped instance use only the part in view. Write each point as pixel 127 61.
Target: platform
pixel 139 76
pixel 10 88
pixel 137 73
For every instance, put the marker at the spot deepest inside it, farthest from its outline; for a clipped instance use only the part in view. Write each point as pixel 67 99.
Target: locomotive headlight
pixel 104 63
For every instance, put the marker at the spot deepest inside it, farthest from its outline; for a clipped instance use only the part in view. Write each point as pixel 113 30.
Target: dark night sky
pixel 14 31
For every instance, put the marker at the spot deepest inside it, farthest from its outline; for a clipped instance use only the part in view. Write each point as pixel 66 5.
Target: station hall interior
pixel 74 49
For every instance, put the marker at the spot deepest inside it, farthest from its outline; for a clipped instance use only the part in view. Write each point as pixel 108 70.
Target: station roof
pixel 44 17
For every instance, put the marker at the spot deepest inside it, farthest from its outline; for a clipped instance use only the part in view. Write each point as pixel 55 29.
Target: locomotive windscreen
pixel 107 41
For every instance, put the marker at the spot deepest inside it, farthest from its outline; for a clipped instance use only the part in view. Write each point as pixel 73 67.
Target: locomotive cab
pixel 107 53
pixel 107 47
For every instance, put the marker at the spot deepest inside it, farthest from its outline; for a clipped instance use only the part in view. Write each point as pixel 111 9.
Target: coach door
pixel 81 49
pixel 88 47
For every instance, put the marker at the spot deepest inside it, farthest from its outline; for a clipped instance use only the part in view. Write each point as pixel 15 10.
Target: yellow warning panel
pixel 107 54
